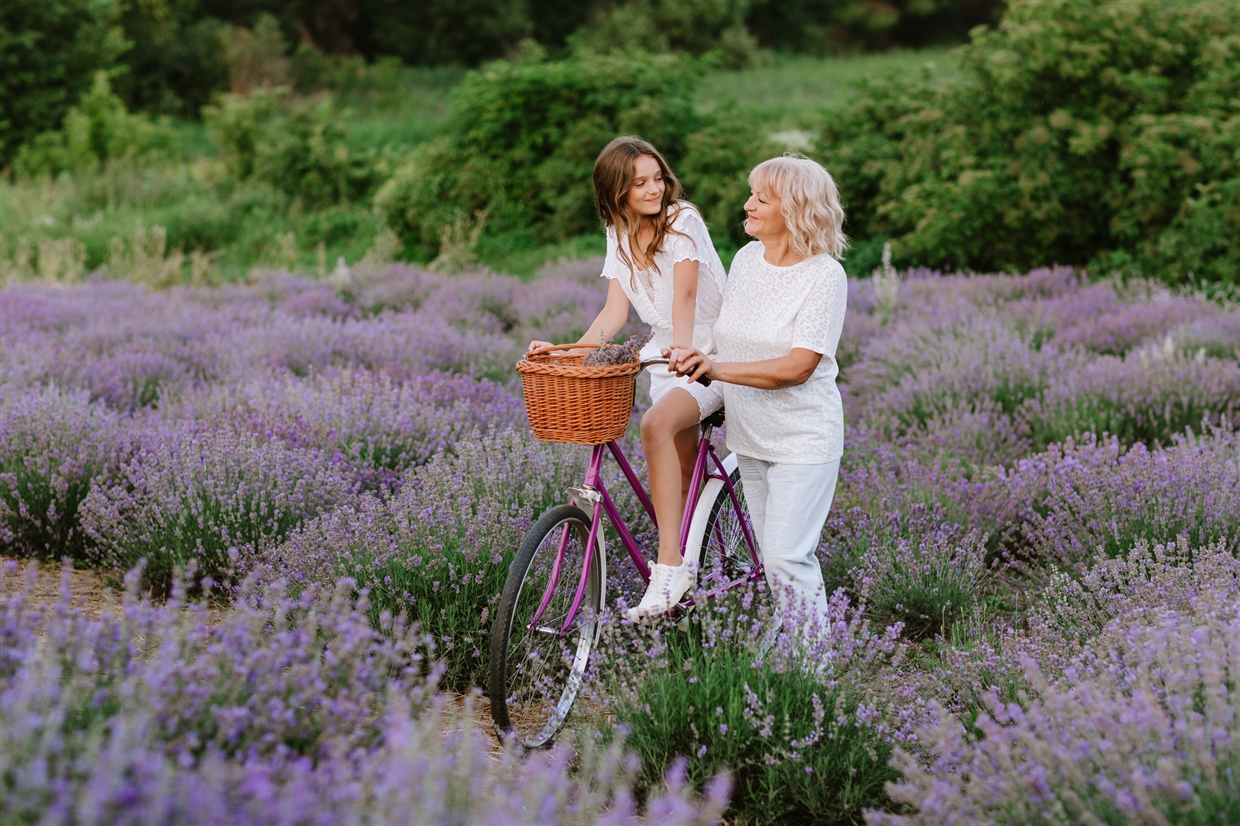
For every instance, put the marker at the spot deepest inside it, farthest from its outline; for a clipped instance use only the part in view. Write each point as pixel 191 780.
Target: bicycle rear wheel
pixel 537 667
pixel 716 533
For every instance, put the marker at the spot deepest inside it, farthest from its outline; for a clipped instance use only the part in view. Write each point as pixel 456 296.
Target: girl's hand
pixel 535 344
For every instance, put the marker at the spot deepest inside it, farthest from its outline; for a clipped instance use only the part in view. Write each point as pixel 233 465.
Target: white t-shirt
pixel 650 291
pixel 767 311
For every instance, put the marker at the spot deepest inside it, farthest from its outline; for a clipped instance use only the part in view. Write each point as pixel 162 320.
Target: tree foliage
pixel 816 27
pixel 1080 132
pixel 97 130
pixel 300 147
pixel 524 135
pixel 49 52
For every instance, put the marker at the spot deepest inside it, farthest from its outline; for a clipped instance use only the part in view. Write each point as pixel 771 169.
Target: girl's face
pixel 646 191
pixel 764 217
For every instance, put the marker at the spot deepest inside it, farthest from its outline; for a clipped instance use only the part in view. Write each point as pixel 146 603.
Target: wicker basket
pixel 569 402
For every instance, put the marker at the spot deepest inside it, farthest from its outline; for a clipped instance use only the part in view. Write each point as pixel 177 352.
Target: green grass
pixel 415 115
pixel 192 135
pixel 793 92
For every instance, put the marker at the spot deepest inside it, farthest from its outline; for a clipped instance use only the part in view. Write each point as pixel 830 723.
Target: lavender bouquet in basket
pixel 611 353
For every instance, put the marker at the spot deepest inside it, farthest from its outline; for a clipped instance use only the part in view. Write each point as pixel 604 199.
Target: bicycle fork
pixel 594 492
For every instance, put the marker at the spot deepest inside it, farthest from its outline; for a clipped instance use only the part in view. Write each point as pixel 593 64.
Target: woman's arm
pixel 684 302
pixel 768 374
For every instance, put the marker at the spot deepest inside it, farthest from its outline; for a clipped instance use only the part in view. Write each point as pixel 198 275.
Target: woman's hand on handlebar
pixel 691 362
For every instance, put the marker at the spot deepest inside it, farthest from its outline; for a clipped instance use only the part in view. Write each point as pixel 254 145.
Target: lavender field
pixel 307 494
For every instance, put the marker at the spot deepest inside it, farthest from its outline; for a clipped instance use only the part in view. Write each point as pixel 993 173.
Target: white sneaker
pixel 668 583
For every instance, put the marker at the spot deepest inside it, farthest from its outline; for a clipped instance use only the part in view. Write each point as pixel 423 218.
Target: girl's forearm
pixel 684 302
pixel 683 312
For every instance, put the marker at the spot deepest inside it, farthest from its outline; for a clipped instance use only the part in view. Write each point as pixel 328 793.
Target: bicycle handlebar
pixel 548 348
pixel 702 380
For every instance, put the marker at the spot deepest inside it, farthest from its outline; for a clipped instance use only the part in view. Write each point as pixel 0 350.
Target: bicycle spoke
pixel 721 537
pixel 542 667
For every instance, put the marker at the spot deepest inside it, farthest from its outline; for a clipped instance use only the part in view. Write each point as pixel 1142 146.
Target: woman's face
pixel 763 215
pixel 646 192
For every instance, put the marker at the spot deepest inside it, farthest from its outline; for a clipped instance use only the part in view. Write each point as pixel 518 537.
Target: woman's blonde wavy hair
pixel 810 203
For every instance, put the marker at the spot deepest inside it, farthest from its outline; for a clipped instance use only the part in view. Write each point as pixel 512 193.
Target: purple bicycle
pixel 548 618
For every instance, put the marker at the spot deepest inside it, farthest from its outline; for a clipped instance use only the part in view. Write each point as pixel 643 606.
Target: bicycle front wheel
pixel 718 535
pixel 537 663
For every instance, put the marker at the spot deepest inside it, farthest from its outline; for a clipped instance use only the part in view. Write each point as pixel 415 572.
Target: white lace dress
pixel 650 291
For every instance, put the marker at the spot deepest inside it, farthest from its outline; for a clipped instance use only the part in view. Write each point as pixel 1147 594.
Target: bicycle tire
pixel 535 676
pixel 716 535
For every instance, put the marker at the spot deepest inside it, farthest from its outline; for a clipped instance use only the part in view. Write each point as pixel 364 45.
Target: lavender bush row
pixel 377 427
pixel 1097 498
pixel 53 448
pixel 214 496
pixel 1064 615
pixel 286 710
pixel 133 348
pixel 1070 612
pixel 1143 726
pixel 1047 355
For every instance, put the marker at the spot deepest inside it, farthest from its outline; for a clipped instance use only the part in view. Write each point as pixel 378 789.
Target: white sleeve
pixel 814 323
pixel 693 244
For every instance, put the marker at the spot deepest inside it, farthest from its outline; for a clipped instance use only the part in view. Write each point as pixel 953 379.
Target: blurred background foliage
pixel 256 133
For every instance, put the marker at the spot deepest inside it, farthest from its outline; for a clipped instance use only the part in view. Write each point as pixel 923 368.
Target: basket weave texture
pixel 569 402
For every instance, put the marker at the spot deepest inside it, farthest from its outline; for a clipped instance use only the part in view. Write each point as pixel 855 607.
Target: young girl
pixel 661 260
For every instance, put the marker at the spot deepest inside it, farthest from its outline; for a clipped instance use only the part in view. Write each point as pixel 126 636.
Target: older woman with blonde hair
pixel 778 327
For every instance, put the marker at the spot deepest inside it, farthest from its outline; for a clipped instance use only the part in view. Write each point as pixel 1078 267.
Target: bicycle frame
pixel 707 466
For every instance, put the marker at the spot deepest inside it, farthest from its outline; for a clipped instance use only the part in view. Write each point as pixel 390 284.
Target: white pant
pixel 789 506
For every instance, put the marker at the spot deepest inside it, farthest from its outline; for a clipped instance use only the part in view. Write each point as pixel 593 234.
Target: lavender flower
pixel 214 496
pixel 281 709
pixel 611 353
pixel 54 447
pixel 1142 726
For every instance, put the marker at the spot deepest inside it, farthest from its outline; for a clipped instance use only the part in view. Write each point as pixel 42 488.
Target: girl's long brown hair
pixel 613 176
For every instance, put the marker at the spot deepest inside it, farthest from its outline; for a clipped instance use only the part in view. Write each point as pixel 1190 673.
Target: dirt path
pixel 88 587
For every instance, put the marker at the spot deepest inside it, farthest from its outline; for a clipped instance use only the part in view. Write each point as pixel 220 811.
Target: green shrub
pixel 300 148
pixel 50 49
pixel 796 729
pixel 98 130
pixel 701 27
pixel 715 170
pixel 522 139
pixel 1079 132
pixel 307 156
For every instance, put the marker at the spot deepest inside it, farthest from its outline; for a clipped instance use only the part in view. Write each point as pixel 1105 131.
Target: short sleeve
pixel 691 241
pixel 812 328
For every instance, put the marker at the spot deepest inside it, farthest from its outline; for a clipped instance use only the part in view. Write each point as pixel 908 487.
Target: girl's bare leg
pixel 670 439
